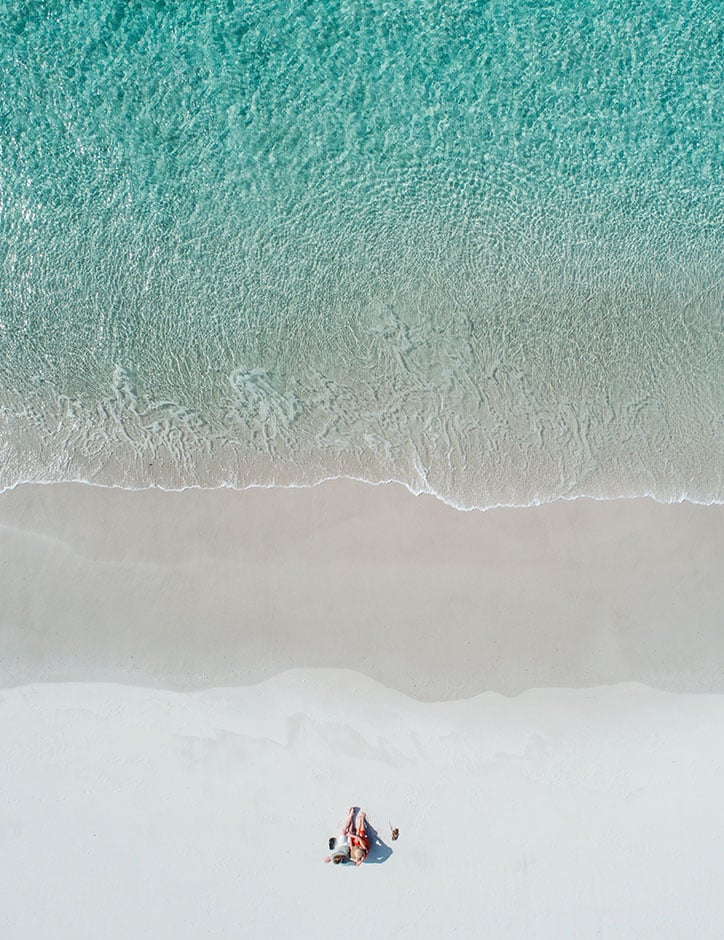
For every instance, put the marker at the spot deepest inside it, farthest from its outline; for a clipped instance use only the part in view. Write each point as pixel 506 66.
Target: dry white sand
pixel 587 805
pixel 582 813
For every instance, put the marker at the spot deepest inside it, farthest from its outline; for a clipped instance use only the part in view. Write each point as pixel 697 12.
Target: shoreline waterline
pixel 411 489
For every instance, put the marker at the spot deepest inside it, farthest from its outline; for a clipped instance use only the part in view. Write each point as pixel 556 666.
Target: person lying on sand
pixel 352 843
pixel 339 844
pixel 359 840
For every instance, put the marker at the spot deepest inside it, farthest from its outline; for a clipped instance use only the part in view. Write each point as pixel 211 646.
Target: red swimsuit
pixel 360 839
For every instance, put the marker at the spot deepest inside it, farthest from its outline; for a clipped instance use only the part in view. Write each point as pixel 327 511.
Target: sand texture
pixel 207 588
pixel 130 812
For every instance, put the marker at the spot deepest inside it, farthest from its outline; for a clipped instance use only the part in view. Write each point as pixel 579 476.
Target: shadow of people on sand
pixel 379 850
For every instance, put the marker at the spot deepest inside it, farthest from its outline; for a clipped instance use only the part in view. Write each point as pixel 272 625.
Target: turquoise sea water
pixel 473 247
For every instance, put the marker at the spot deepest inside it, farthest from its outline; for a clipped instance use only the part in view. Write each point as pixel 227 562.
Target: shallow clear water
pixel 474 247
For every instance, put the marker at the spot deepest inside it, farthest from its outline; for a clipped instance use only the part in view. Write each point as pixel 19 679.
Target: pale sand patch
pixel 207 588
pixel 136 813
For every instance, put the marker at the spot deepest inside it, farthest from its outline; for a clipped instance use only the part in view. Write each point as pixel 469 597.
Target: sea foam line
pixel 426 490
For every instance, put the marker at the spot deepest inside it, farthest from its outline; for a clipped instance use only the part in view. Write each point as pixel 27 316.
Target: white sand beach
pixel 196 685
pixel 130 812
